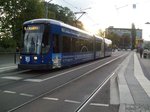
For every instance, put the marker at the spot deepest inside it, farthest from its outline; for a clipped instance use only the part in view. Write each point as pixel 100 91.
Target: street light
pixel 46 11
pixel 148 24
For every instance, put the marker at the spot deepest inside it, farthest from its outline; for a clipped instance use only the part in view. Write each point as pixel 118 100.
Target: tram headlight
pixel 20 57
pixel 35 57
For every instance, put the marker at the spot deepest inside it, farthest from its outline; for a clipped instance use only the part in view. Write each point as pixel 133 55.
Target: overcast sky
pixel 101 14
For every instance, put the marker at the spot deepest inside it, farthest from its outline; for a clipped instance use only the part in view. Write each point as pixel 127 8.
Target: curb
pixel 125 96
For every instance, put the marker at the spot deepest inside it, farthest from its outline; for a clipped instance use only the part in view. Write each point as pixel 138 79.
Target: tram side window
pixel 110 47
pixel 98 46
pixel 46 40
pixel 81 45
pixel 66 44
pixel 56 44
pixel 78 45
pixel 74 45
pixel 85 46
pixel 90 45
pixel 106 47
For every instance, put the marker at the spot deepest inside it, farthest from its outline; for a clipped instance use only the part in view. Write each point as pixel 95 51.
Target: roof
pixel 60 23
pixel 42 20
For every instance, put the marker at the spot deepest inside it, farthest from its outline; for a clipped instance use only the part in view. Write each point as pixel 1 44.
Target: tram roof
pixel 108 41
pixel 56 22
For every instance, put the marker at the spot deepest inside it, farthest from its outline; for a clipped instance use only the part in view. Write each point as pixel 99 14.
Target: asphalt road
pixel 63 90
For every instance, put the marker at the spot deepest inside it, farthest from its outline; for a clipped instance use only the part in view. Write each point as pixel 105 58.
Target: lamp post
pixel 46 8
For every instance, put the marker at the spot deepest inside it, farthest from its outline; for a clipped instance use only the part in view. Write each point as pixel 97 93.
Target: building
pixel 139 39
pixel 126 31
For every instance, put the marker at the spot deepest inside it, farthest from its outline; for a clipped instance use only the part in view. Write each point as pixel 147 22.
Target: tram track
pixel 90 97
pixel 70 81
pixel 34 75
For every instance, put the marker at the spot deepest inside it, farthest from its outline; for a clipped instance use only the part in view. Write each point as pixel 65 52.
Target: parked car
pixel 146 53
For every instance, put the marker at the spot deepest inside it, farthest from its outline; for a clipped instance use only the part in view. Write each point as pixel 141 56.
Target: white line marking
pixel 48 98
pixel 114 94
pixel 98 104
pixel 11 77
pixel 57 88
pixel 28 95
pixel 72 101
pixel 11 92
pixel 33 80
pixel 8 67
pixel 95 92
pixel 14 73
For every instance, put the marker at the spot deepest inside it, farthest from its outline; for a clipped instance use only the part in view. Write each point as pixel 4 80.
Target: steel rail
pixel 58 87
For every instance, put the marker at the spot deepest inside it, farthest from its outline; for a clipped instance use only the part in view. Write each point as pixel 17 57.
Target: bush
pixel 5 50
pixel 6 42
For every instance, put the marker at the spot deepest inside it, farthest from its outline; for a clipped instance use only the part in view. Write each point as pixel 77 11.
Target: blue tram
pixel 49 44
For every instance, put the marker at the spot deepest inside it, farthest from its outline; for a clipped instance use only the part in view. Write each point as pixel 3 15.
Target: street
pixel 85 87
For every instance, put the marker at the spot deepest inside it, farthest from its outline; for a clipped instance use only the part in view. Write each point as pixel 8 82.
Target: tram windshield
pixel 36 39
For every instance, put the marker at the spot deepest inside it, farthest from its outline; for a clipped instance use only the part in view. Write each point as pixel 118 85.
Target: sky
pixel 101 14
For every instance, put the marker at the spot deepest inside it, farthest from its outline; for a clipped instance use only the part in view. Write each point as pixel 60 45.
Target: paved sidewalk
pixel 134 87
pixel 145 64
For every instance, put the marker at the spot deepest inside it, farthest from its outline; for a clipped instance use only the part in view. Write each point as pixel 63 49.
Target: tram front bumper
pixel 35 66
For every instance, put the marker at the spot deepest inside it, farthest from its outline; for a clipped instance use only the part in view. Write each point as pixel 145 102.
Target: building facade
pixel 126 31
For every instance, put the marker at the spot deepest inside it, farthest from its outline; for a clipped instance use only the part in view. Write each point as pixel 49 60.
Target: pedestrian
pixel 141 52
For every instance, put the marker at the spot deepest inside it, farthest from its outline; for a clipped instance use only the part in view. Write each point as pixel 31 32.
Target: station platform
pixel 133 80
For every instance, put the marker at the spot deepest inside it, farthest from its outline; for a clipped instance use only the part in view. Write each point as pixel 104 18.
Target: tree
pixel 101 33
pixel 60 13
pixel 78 24
pixel 114 38
pixel 133 34
pixel 14 12
pixel 63 14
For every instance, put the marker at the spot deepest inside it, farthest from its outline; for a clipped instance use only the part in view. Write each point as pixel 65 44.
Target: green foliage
pixel 61 13
pixel 133 33
pixel 114 38
pixel 101 33
pixel 123 41
pixel 14 12
pixel 7 43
